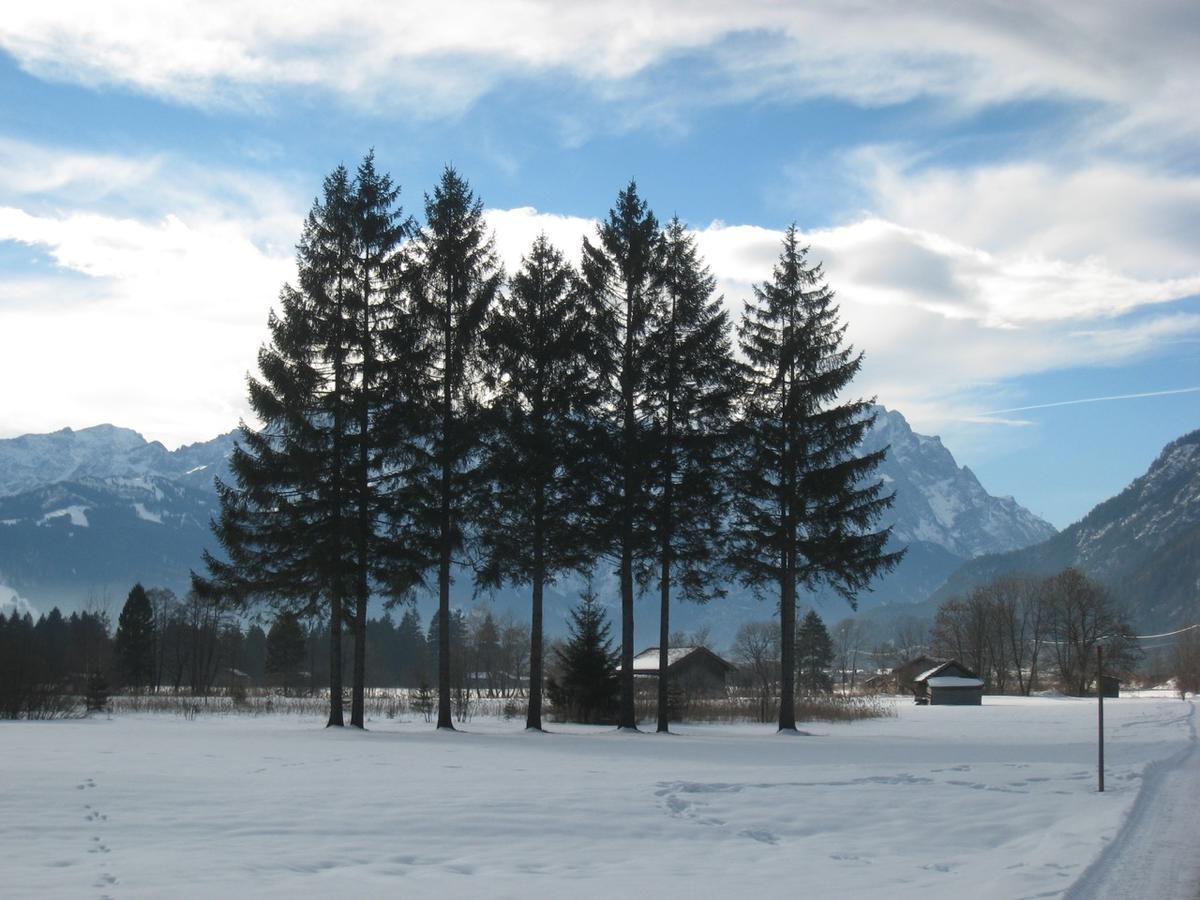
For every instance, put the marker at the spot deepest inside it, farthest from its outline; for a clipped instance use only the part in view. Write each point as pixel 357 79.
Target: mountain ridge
pixel 50 483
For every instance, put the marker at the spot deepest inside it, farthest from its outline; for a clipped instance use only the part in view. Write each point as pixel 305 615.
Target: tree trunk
pixel 533 715
pixel 335 661
pixel 787 647
pixel 445 719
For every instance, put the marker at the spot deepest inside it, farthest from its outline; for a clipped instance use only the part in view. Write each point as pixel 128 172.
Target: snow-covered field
pixel 992 801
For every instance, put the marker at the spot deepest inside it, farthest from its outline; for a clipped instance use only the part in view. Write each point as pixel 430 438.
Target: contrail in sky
pixel 1186 390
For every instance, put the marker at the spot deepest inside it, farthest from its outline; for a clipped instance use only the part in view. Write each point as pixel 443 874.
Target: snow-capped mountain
pixel 94 510
pixel 941 513
pixel 105 451
pixel 941 503
pixel 1143 543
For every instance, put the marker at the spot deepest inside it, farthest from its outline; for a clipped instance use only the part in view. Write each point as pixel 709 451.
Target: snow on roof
pixel 647 660
pixel 925 675
pixel 953 681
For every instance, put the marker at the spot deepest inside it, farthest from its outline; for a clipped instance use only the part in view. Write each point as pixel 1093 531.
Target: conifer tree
pixel 805 502
pixel 134 643
pixel 285 647
pixel 314 519
pixel 622 274
pixel 814 655
pixel 538 344
pixel 455 278
pixel 585 687
pixel 691 388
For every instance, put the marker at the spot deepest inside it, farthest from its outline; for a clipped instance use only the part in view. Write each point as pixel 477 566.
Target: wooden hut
pixel 950 684
pixel 696 670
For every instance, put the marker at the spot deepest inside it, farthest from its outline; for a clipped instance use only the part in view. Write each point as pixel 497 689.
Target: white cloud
pixel 1138 62
pixel 152 319
pixel 1124 217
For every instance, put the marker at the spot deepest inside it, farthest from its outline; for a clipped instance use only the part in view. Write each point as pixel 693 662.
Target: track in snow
pixel 1154 853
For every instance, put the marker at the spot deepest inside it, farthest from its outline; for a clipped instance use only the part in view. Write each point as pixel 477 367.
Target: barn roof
pixel 646 662
pixel 953 668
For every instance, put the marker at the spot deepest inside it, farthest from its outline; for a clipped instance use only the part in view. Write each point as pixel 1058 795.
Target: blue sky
pixel 1007 202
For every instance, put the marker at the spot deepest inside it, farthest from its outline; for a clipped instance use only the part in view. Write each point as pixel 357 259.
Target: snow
pixel 951 681
pixel 146 515
pixel 77 514
pixel 277 806
pixel 647 660
pixel 195 469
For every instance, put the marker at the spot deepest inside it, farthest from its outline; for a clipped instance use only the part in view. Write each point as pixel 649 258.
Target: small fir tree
pixel 814 655
pixel 585 687
pixel 134 644
pixel 285 648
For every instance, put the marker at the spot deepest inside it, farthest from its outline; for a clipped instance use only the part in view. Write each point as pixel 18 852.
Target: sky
pixel 1006 200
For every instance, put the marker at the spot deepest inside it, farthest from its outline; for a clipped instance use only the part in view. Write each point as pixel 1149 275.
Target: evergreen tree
pixel 622 273
pixel 254 651
pixel 455 278
pixel 585 687
pixel 285 647
pixel 805 502
pixel 284 523
pixel 814 655
pixel 134 645
pixel 318 517
pixel 412 665
pixel 692 384
pixel 538 344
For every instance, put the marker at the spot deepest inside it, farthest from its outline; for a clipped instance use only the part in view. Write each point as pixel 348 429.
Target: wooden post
pixel 1100 709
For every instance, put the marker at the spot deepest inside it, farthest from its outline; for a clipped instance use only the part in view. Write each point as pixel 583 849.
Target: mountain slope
pixel 1144 543
pixel 147 510
pixel 941 513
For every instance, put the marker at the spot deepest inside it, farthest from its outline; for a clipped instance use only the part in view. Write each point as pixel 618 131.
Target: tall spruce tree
pixel 387 404
pixel 301 526
pixel 456 276
pixel 538 344
pixel 692 383
pixel 805 501
pixel 622 274
pixel 814 655
pixel 134 643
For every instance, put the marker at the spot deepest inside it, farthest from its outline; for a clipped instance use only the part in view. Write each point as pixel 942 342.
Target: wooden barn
pixel 696 670
pixel 950 684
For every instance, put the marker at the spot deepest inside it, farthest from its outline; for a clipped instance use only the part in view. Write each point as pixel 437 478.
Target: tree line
pixel 422 413
pixel 1015 628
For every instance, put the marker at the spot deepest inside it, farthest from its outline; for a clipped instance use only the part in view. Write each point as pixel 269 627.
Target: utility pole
pixel 1100 708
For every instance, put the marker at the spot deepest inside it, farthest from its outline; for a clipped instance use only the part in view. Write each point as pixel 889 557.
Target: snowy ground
pixel 993 801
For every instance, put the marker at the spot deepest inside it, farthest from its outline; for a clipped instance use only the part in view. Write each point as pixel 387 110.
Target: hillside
pixel 1143 543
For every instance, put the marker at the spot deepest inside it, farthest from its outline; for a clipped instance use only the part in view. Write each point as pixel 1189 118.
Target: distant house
pixel 949 684
pixel 696 670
